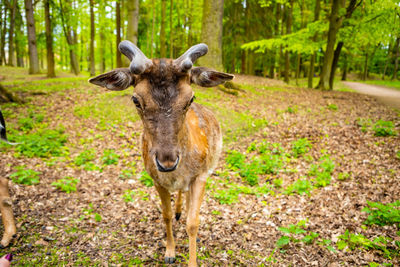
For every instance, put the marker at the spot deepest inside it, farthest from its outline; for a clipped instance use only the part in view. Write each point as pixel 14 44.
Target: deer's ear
pixel 207 77
pixel 116 80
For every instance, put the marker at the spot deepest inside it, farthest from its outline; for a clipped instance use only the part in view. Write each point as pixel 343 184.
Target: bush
pixel 68 184
pixel 25 176
pixel 384 128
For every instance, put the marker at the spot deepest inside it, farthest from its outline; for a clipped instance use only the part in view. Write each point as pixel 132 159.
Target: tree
pixel 92 33
pixel 133 21
pixel 13 9
pixel 396 58
pixel 49 41
pixel 163 41
pixel 118 37
pixel 211 33
pixel 70 34
pixel 30 23
pixel 3 26
pixel 311 69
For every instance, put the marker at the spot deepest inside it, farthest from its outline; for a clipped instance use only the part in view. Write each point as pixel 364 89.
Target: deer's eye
pixel 136 101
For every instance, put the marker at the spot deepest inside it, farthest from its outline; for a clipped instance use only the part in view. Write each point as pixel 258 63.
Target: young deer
pixel 182 140
pixel 5 200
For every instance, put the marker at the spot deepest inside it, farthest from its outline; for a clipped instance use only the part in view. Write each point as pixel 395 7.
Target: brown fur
pixel 182 136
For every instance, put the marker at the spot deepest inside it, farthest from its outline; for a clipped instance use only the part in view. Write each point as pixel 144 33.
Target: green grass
pixel 387 83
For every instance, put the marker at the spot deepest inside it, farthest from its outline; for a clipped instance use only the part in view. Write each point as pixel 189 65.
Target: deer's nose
pixel 167 162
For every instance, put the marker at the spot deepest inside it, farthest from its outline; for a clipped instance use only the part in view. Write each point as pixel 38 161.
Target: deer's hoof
pixel 169 260
pixel 178 216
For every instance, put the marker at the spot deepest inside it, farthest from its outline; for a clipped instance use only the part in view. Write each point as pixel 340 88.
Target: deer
pixel 7 215
pixel 181 140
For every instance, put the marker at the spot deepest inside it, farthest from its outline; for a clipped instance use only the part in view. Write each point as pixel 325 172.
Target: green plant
pixel 343 176
pixel 226 196
pixel 365 124
pixel 292 110
pixel 300 147
pixel 25 176
pixel 85 157
pixel 67 184
pixel 353 241
pixel 110 157
pixel 277 183
pixel 300 187
pixel 333 107
pixel 322 172
pixel 381 214
pixel 272 163
pixel 398 154
pixel 43 143
pixel 127 174
pixel 146 179
pixel 384 128
pixel 28 123
pixel 235 160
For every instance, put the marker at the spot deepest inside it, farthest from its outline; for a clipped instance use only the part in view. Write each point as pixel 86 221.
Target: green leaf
pixel 283 241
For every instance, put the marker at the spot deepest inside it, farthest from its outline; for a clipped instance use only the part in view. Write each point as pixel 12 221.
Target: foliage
pixel 322 172
pixel 301 186
pixel 381 243
pixel 85 157
pixel 333 107
pixel 110 157
pixel 384 128
pixel 235 160
pixel 300 147
pixel 67 184
pixel 381 214
pixel 146 179
pixel 44 143
pixel 25 176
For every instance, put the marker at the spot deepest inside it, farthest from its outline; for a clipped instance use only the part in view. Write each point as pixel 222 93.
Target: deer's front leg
pixel 167 215
pixel 6 213
pixel 196 195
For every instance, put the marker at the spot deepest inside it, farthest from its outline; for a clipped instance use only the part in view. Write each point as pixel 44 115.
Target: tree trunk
pixel 211 33
pixel 171 42
pixel 18 37
pixel 289 20
pixel 33 54
pixel 6 96
pixel 118 26
pixel 133 20
pixel 13 11
pixel 344 74
pixel 163 41
pixel 71 40
pixel 49 41
pixel 102 38
pixel 3 26
pixel 364 76
pixel 334 24
pixel 153 29
pixel 396 55
pixel 335 62
pixel 189 22
pixel 311 69
pixel 92 35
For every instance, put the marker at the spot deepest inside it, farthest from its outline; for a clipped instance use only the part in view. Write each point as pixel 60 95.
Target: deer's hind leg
pixel 6 213
pixel 178 206
pixel 167 216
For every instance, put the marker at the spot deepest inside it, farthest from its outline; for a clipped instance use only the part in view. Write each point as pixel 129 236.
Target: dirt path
pixel 388 96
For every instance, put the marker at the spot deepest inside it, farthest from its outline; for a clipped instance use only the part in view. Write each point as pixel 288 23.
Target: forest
pixel 310 164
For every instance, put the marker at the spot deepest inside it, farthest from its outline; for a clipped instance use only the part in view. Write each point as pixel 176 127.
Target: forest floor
pixel 386 95
pixel 292 187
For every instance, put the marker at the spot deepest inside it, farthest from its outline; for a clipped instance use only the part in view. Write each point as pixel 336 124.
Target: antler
pixel 185 62
pixel 139 62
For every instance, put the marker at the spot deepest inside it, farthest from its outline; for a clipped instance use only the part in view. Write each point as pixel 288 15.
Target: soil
pixel 56 228
pixel 386 95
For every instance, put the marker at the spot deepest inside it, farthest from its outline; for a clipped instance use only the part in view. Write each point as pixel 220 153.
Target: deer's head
pixel 162 95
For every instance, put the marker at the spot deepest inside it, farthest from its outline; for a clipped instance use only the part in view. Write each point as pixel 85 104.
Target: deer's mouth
pixel 168 168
